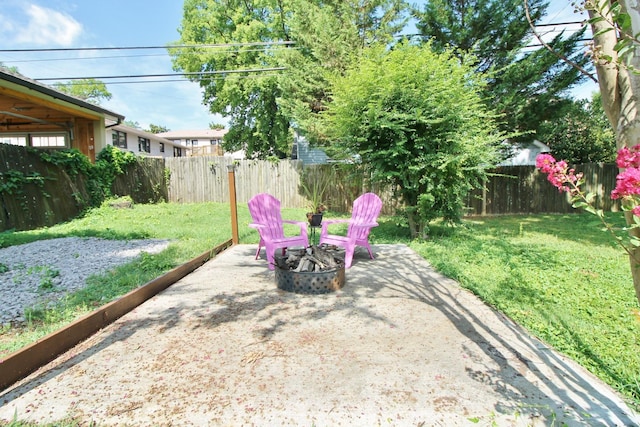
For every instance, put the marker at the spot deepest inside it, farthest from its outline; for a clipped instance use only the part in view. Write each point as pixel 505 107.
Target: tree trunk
pixel 620 90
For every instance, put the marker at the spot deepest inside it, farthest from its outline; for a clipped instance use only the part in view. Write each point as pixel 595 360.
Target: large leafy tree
pixel 581 133
pixel 157 128
pixel 526 85
pixel 417 119
pixel 262 106
pixel 90 90
pixel 329 36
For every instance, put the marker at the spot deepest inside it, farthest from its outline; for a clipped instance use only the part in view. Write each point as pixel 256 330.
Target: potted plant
pixel 315 217
pixel 314 189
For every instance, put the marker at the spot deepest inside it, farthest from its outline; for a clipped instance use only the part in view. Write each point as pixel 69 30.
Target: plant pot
pixel 314 219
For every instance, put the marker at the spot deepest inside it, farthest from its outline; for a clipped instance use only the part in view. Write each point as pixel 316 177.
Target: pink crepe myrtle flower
pixel 558 173
pixel 628 157
pixel 627 184
pixel 627 189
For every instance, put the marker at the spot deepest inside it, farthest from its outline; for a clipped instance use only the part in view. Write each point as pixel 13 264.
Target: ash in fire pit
pixel 314 270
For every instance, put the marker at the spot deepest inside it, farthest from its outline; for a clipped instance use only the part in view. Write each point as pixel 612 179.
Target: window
pixel 215 141
pixel 119 139
pixel 177 152
pixel 43 141
pixel 38 140
pixel 14 140
pixel 162 147
pixel 144 144
pixel 194 142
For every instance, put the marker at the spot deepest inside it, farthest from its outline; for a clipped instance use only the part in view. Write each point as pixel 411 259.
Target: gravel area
pixel 40 273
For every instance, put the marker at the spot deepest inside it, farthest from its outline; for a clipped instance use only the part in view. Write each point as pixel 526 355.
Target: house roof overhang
pixel 27 106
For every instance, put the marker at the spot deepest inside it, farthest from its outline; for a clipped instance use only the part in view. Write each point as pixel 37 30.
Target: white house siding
pixel 199 142
pixel 525 154
pixel 132 138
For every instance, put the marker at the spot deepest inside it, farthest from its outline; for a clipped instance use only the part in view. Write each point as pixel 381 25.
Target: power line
pixel 179 80
pixel 75 49
pixel 555 24
pixel 18 61
pixel 137 76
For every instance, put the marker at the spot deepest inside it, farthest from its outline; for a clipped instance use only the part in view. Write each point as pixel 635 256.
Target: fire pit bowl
pixel 292 272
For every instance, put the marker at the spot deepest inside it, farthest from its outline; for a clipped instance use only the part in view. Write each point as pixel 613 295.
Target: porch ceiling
pixel 20 112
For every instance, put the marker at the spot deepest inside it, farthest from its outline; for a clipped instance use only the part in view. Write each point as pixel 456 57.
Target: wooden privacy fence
pixel 34 193
pixel 144 181
pixel 205 179
pixel 509 189
pixel 523 189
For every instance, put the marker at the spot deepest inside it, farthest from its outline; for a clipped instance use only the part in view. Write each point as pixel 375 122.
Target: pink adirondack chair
pixel 267 219
pixel 366 209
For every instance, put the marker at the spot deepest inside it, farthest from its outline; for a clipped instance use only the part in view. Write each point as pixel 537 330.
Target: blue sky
pixel 177 105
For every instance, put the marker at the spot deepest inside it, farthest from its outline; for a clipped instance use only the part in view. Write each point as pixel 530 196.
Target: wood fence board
pixel 508 190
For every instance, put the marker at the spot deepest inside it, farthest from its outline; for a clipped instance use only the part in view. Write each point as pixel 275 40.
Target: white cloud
pixel 47 26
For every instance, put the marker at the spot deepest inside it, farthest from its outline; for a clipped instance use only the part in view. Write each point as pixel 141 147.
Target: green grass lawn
pixel 559 276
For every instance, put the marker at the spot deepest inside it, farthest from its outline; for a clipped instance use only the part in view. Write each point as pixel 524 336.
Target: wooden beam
pixel 23 362
pixel 78 112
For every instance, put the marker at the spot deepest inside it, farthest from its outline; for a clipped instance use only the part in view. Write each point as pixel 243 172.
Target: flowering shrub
pixel 627 189
pixel 559 174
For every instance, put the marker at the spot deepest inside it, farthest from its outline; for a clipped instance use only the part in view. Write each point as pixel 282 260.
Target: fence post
pixel 234 206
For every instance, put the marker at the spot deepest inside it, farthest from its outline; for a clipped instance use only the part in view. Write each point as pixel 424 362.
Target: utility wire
pixel 136 76
pixel 182 46
pixel 179 80
pixel 127 56
pixel 554 24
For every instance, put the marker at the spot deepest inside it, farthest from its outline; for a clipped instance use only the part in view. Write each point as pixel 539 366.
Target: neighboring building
pixel 309 155
pixel 35 115
pixel 142 143
pixel 524 154
pixel 200 142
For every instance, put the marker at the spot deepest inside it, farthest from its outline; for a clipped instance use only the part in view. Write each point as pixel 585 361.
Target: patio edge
pixel 23 362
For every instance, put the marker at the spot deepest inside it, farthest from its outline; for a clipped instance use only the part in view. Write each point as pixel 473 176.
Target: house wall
pixel 99 137
pixel 200 142
pixel 197 146
pixel 525 154
pixel 83 138
pixel 309 155
pixel 132 138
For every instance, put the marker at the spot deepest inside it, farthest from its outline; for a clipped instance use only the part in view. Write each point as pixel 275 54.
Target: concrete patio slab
pixel 399 345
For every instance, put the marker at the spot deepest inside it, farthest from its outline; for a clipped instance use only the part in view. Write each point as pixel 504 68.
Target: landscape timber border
pixel 23 362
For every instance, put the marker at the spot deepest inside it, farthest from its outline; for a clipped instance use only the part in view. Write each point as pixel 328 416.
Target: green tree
pixel 528 86
pixel 329 36
pixel 132 124
pixel 157 128
pixel 216 126
pixel 417 119
pixel 261 107
pixel 90 90
pixel 12 69
pixel 581 133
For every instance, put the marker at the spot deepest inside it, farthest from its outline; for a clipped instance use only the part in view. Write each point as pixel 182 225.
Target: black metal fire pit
pixel 325 277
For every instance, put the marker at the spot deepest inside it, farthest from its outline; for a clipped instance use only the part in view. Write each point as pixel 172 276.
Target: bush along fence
pixel 38 189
